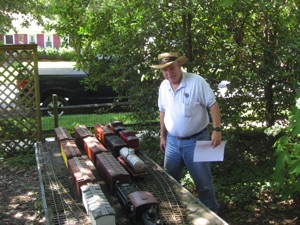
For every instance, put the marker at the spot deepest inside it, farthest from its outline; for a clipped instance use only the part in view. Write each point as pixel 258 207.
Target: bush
pixel 42 53
pixel 287 169
pixel 67 54
pixel 52 53
pixel 63 53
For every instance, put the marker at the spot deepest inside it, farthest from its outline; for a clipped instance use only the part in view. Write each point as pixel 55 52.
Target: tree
pixel 11 8
pixel 253 44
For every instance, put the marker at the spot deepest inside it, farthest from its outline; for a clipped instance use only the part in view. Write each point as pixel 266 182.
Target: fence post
pixel 55 110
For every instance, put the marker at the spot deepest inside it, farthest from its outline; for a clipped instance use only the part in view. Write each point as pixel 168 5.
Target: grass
pixel 87 119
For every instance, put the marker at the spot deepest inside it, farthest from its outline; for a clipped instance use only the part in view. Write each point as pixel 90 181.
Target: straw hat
pixel 166 59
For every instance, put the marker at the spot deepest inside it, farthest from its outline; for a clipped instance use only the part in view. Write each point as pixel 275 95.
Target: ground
pixel 21 203
pixel 20 196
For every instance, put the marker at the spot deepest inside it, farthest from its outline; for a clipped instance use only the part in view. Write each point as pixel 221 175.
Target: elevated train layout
pixel 64 199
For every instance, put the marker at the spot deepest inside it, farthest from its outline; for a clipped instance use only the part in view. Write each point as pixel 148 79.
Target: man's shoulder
pixel 165 83
pixel 192 76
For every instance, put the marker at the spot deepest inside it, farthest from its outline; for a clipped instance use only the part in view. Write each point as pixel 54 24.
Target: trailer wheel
pixel 48 103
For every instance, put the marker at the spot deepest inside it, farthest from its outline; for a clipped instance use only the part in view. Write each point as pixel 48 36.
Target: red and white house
pixel 34 34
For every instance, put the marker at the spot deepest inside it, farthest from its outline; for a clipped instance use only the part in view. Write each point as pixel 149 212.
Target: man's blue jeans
pixel 180 153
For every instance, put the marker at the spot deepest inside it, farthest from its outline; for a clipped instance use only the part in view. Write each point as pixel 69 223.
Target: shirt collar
pixel 182 82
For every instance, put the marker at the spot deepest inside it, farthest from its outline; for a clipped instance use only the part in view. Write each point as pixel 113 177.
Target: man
pixel 183 101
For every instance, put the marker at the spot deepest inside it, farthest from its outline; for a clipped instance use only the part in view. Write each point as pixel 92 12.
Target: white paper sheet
pixel 204 152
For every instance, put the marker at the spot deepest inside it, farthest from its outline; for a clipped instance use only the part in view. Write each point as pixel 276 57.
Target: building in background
pixel 33 34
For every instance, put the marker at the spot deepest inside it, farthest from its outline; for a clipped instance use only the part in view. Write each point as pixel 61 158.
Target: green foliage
pixel 41 53
pixel 9 128
pixel 188 183
pixel 287 170
pixel 256 50
pixel 52 53
pixel 149 142
pixel 68 121
pixel 66 54
pixel 244 177
pixel 23 160
pixel 39 208
pixel 9 10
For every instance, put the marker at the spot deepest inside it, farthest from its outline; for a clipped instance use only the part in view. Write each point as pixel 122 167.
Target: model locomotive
pixel 118 165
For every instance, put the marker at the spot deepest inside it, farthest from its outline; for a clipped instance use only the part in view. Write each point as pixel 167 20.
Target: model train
pixel 117 164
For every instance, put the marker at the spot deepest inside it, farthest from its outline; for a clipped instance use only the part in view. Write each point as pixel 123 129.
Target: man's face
pixel 173 73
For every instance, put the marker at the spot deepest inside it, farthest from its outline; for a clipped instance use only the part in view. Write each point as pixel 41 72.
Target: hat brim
pixel 181 59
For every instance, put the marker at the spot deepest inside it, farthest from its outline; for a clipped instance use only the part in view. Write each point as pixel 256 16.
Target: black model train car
pixel 93 146
pixel 111 170
pixel 115 144
pixel 81 132
pixel 140 205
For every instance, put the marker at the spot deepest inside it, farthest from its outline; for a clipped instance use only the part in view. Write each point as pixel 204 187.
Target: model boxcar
pixel 81 132
pixel 116 126
pixel 111 170
pixel 130 138
pixel 115 144
pixel 62 134
pixel 69 150
pixel 80 173
pixel 97 206
pixel 101 131
pixel 93 146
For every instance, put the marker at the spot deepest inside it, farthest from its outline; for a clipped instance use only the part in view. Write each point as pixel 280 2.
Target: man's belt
pixel 192 136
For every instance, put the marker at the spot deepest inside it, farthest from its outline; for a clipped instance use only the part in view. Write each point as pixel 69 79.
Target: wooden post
pixel 55 110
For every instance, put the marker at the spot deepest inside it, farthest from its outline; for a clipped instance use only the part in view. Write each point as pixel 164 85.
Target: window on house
pixel 31 39
pixel 48 41
pixel 9 39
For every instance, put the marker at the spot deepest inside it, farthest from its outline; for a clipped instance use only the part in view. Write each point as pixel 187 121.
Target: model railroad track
pixel 62 208
pixel 171 209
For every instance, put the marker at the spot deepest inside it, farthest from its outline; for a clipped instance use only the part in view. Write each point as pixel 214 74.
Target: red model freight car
pixel 80 172
pixel 80 133
pixel 62 134
pixel 130 138
pixel 101 131
pixel 93 146
pixel 111 170
pixel 69 150
pixel 116 126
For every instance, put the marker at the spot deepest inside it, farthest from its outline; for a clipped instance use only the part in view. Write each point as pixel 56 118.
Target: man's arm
pixel 163 132
pixel 216 136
